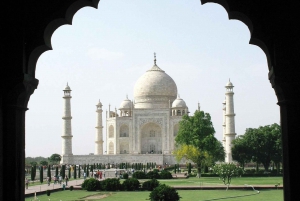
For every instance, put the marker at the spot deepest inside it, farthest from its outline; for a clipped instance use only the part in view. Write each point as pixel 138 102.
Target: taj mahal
pixel 142 130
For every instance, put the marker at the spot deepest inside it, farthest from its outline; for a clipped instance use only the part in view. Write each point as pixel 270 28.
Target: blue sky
pixel 107 49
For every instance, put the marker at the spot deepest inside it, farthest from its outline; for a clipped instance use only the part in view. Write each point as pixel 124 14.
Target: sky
pixel 105 50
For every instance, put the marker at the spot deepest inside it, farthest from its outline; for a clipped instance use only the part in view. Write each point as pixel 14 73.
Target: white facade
pixel 150 123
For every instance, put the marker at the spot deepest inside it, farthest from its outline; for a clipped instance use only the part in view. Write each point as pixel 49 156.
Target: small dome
pixel 99 104
pixel 67 87
pixel 179 102
pixel 126 104
pixel 229 84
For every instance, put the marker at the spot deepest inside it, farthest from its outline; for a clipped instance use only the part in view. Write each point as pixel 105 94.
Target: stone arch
pixel 124 147
pixel 111 132
pixel 111 147
pixel 124 131
pixel 151 138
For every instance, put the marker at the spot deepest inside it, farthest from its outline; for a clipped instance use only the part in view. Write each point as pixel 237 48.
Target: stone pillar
pixel 99 129
pixel 67 127
pixel 230 124
pixel 15 94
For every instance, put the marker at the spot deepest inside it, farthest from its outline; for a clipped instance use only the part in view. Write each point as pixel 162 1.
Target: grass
pixel 207 181
pixel 186 195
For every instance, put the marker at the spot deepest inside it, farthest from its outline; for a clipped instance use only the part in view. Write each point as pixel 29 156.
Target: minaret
pixel 67 128
pixel 229 122
pixel 99 129
pixel 224 124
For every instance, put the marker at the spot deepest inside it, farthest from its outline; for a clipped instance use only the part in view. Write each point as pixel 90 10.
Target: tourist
pixel 103 174
pixel 100 174
pixel 116 173
pixel 84 175
pixel 26 183
pixel 48 181
pixel 67 179
pixel 60 179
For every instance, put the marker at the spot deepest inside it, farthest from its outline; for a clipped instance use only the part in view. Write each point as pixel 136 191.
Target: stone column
pixel 67 127
pixel 99 129
pixel 230 124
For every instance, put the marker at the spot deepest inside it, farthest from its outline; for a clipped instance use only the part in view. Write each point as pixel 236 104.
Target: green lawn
pixel 186 195
pixel 206 181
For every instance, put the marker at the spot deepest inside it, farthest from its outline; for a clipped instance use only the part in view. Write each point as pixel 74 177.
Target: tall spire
pixel 154 58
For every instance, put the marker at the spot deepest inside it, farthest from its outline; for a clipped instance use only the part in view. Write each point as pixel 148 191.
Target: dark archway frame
pixel 27 30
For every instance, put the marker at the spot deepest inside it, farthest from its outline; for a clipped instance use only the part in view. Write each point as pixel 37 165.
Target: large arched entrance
pixel 273 27
pixel 151 140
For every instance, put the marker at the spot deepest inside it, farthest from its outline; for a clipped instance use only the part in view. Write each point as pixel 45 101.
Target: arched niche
pixel 111 131
pixel 124 131
pixel 111 148
pixel 124 147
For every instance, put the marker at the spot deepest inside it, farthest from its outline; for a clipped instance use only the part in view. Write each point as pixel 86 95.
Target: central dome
pixel 154 89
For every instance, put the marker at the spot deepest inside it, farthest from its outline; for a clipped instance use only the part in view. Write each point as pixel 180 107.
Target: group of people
pixel 58 179
pixel 96 174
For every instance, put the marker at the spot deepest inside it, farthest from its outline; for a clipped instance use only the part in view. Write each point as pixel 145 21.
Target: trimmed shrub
pixel 125 176
pixel 71 188
pixel 165 175
pixel 164 193
pixel 153 174
pixel 48 192
pixel 139 175
pixel 110 184
pixel 90 184
pixel 131 184
pixel 150 184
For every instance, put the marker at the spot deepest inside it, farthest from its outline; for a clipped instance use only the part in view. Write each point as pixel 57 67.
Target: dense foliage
pixel 139 175
pixel 111 184
pixel 91 184
pixel 131 184
pixel 153 174
pixel 260 145
pixel 55 158
pixel 196 141
pixel 165 175
pixel 150 184
pixel 164 193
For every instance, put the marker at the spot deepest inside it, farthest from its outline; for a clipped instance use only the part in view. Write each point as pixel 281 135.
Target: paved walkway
pixel 44 187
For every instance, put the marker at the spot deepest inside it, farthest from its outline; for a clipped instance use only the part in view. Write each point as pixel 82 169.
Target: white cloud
pixel 103 54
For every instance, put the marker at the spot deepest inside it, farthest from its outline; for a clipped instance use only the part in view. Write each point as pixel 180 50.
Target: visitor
pixel 48 181
pixel 60 179
pixel 116 173
pixel 66 179
pixel 84 175
pixel 26 183
pixel 103 174
pixel 100 174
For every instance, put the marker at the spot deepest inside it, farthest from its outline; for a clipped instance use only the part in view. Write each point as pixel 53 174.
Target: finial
pixel 154 58
pixel 126 96
pixel 198 106
pixel 67 84
pixel 178 96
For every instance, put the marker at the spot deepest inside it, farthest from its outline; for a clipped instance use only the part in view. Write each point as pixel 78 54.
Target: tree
pixel 55 158
pixel 33 173
pixel 241 152
pixel 63 171
pixel 33 163
pixel 49 172
pixel 75 173
pixel 41 174
pixel 195 141
pixel 44 163
pixel 79 171
pixel 227 171
pixel 56 171
pixel 262 145
pixel 69 175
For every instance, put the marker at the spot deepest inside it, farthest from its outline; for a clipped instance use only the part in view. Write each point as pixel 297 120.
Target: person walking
pixel 84 176
pixel 66 179
pixel 26 183
pixel 48 181
pixel 60 179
